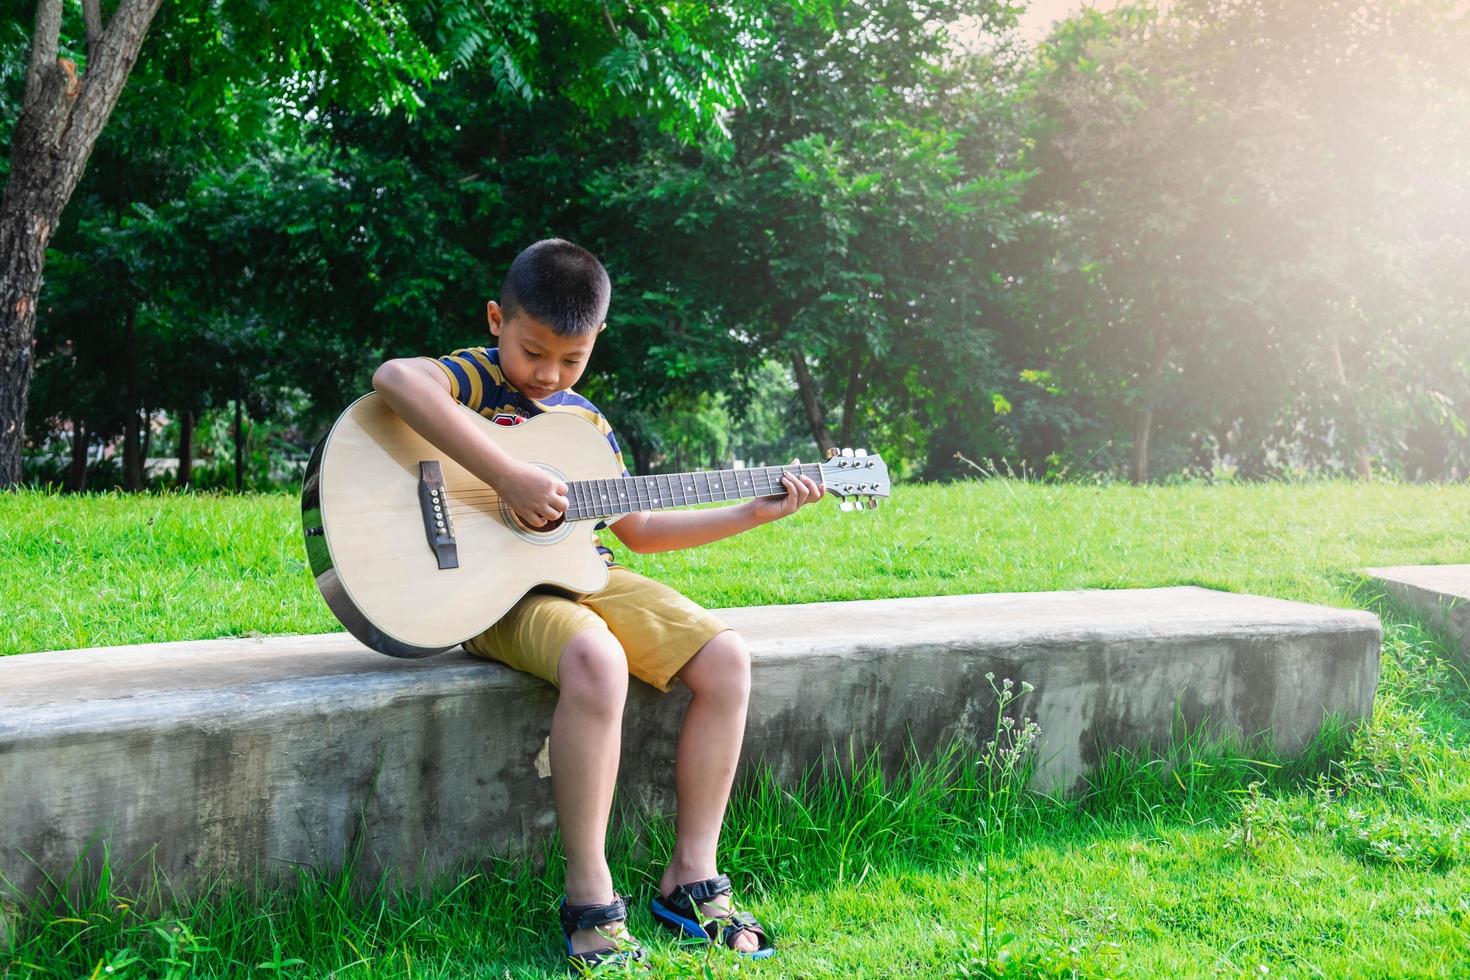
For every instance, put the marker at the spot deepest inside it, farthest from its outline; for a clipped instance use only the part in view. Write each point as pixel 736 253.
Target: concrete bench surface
pixel 251 756
pixel 1441 592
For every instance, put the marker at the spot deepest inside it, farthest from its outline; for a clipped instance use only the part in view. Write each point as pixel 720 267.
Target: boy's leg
pixel 586 736
pixel 709 748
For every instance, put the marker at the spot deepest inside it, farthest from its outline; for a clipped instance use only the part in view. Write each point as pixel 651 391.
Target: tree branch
pixel 92 14
pixel 611 25
pixel 44 41
pixel 117 49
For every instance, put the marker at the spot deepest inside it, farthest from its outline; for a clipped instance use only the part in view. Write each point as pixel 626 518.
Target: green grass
pixel 114 569
pixel 1202 861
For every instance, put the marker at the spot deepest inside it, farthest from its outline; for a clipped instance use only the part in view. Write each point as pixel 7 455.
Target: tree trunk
pixel 77 475
pixel 1143 427
pixel 1141 431
pixel 186 447
pixel 856 382
pixel 147 422
pixel 1362 462
pixel 239 450
pixel 632 441
pixel 20 279
pixel 810 403
pixel 132 470
pixel 132 437
pixel 58 124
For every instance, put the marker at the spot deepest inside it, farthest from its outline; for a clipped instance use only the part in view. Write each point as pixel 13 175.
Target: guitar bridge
pixel 434 503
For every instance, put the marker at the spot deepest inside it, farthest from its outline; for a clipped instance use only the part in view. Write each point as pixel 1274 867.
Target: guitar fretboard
pixel 594 499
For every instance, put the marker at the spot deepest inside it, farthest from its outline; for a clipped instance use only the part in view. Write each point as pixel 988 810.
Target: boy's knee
pixel 722 667
pixel 594 670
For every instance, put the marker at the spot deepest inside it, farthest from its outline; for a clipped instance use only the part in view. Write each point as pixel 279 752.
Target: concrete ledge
pixel 1441 592
pixel 255 755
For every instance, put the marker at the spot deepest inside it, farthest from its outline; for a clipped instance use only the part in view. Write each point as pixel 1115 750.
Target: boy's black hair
pixel 560 284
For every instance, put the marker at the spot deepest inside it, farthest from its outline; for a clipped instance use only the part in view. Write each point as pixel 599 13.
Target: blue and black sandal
pixel 623 952
pixel 678 911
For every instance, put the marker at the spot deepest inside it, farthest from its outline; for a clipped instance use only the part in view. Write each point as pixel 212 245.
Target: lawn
pixel 1201 863
pixel 114 569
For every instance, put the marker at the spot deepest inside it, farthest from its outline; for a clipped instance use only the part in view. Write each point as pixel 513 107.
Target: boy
pixel 552 307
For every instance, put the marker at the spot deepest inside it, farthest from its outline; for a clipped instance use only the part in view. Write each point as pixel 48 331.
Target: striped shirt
pixel 476 381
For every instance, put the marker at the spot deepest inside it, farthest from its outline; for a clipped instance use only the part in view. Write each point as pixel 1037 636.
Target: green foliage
pixel 1233 229
pixel 256 224
pixel 1260 223
pixel 867 173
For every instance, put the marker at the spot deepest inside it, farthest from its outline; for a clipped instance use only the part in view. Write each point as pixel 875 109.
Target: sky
pixel 1035 23
pixel 1041 14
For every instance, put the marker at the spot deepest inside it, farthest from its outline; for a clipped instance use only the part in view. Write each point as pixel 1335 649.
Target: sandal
pixel 623 952
pixel 678 911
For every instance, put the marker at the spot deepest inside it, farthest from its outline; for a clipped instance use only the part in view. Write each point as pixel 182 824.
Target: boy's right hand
pixel 534 495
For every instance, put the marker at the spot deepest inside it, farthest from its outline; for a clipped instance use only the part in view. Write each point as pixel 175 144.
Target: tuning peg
pixel 862 452
pixel 872 503
pixel 847 452
pixel 833 452
pixel 847 505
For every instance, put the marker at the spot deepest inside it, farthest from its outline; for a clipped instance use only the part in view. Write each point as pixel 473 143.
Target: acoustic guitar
pixel 415 555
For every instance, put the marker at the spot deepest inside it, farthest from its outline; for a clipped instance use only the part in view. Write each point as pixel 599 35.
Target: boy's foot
pixel 597 934
pixel 701 909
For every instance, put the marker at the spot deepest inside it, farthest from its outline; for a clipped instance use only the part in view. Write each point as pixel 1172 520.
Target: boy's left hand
pixel 800 491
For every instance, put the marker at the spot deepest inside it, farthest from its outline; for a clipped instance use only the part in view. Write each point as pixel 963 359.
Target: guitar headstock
pixel 855 477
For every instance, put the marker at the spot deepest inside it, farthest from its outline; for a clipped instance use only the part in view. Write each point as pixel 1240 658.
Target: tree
pixel 59 121
pixel 75 77
pixel 844 231
pixel 679 62
pixel 1248 218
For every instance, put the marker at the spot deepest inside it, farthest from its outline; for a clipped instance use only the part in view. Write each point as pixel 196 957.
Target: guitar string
pixel 464 499
pixel 462 494
pixel 756 476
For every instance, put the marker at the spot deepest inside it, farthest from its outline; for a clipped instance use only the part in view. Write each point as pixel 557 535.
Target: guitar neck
pixel 595 499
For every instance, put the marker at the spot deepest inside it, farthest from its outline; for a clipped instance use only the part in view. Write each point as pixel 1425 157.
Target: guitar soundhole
pixel 546 528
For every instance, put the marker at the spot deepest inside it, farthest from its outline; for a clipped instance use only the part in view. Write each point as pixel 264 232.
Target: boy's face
pixel 538 361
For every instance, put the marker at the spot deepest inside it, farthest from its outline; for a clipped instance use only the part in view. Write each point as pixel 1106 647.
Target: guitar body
pixel 415 555
pixel 369 535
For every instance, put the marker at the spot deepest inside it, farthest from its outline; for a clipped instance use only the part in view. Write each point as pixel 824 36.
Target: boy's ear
pixel 602 327
pixel 493 314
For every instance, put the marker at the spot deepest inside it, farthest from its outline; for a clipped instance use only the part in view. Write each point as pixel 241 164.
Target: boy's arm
pixel 419 392
pixel 646 532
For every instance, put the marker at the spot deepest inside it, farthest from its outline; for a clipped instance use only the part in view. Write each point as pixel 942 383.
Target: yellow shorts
pixel 659 629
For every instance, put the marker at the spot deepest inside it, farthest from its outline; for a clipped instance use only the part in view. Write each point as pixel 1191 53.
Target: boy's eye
pixel 532 355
